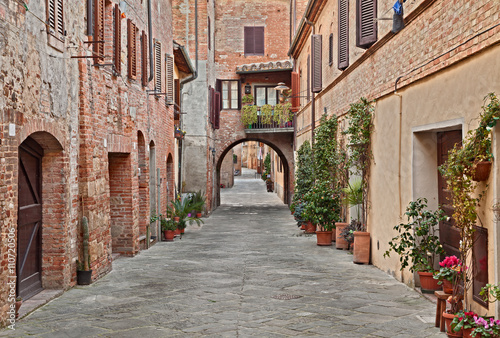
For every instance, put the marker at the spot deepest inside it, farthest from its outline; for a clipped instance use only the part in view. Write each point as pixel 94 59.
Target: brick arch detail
pixel 31 127
pixel 280 143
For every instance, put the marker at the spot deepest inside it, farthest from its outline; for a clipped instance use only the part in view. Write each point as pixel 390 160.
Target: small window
pixel 254 40
pixel 266 95
pixel 330 49
pixel 230 92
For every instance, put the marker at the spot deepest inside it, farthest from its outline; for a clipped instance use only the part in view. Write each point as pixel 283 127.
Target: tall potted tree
pixel 417 243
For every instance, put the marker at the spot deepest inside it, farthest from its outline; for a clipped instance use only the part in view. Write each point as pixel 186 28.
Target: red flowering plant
pixel 451 269
pixel 463 320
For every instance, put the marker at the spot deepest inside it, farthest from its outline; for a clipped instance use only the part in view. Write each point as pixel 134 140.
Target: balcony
pixel 273 127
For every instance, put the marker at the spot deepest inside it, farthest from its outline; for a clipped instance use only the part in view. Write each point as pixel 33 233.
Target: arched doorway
pixel 29 222
pixel 41 181
pixel 279 152
pixel 153 209
pixel 170 186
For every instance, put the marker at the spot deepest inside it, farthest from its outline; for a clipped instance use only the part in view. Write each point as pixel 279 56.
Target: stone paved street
pixel 247 272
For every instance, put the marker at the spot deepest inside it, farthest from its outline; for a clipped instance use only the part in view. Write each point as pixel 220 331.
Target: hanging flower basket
pixel 482 171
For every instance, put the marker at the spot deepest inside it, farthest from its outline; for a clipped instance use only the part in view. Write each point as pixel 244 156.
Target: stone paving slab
pixel 247 272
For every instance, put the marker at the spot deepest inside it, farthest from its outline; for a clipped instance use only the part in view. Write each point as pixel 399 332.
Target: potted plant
pixel 168 227
pixel 182 209
pixel 198 202
pixel 282 113
pixel 322 209
pixel 266 114
pixel 304 177
pixel 179 133
pixel 449 273
pixel 83 271
pixel 459 171
pixel 249 115
pixel 417 244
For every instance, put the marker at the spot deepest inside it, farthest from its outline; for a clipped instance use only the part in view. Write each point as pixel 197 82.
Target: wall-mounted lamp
pixel 213 151
pixel 248 89
pixel 281 87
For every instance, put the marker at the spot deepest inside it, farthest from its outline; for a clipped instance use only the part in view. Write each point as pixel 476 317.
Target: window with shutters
pixel 144 59
pixel 230 94
pixel 366 26
pixel 254 40
pixel 117 41
pixel 132 49
pixel 157 66
pixel 343 36
pixel 211 103
pixel 169 78
pixel 266 95
pixel 99 30
pixel 317 61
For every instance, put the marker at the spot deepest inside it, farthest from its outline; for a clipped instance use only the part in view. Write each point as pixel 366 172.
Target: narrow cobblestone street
pixel 247 272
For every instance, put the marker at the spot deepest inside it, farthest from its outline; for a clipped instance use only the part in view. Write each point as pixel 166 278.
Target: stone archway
pixel 282 144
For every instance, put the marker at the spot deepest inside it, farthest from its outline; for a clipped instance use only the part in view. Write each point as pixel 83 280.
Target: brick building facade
pixel 87 129
pixel 429 81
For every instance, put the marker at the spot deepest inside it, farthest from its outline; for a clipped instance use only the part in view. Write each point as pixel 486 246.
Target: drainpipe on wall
pixel 400 147
pixel 313 105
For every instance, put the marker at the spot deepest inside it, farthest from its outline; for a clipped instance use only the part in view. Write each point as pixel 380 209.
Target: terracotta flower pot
pixel 447 286
pixel 482 171
pixel 341 243
pixel 427 282
pixel 302 226
pixel 169 235
pixel 323 238
pixel 468 333
pixel 310 228
pixel 448 317
pixel 361 251
pixel 198 215
pixel 176 219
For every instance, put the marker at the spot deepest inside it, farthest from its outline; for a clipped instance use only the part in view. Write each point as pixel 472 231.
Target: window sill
pixel 55 42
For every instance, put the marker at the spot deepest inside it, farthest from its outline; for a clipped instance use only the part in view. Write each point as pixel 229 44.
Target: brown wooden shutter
pixel 158 66
pixel 295 92
pixel 209 33
pixel 132 49
pixel 330 49
pixel 60 17
pixel 177 94
pixel 218 89
pixel 99 30
pixel 239 94
pixel 249 40
pixel 144 59
pixel 217 111
pixel 169 78
pixel 317 60
pixel 259 40
pixel 212 105
pixel 117 41
pixel 366 27
pixel 309 78
pixel 343 48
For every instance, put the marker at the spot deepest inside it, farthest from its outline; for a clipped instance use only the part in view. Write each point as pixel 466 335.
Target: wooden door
pixel 449 235
pixel 29 222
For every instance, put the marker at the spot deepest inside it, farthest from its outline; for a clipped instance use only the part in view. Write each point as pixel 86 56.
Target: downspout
pixel 313 105
pixel 400 147
pixel 150 32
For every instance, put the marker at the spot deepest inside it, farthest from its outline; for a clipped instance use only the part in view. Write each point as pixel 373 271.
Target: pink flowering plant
pixel 450 269
pixel 486 327
pixel 463 320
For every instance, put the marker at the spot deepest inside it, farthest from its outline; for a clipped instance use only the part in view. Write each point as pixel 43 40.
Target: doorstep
pixel 38 300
